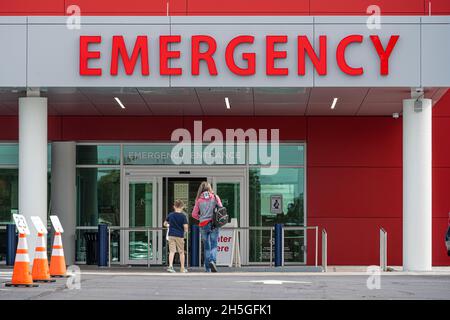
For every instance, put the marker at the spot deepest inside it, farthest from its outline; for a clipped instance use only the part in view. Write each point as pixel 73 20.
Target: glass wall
pixel 9 194
pixel 98 194
pixel 275 198
pixel 9 202
pixel 278 198
pixel 230 194
pixel 98 154
pixel 9 187
pixel 98 201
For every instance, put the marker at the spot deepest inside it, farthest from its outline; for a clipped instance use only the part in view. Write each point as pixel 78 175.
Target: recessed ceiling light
pixel 227 102
pixel 333 105
pixel 119 102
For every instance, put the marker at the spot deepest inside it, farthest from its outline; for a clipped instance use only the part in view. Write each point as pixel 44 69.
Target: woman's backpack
pixel 220 215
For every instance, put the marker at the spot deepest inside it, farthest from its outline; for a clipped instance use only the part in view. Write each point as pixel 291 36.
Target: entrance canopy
pixel 186 65
pixel 211 101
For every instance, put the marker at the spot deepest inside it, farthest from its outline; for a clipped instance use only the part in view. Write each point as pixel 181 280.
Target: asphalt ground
pixel 143 285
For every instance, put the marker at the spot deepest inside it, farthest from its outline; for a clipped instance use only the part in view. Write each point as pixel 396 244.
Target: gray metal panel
pixel 225 78
pixel 404 63
pixel 13 53
pixel 435 19
pixel 436 55
pixel 13 20
pixel 54 56
pixel 53 50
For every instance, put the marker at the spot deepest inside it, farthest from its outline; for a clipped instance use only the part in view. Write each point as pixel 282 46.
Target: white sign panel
pixel 227 244
pixel 38 224
pixel 56 224
pixel 276 204
pixel 21 224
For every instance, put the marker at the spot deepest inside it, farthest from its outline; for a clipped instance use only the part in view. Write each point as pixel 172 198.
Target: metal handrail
pixel 138 228
pixel 304 228
pixel 142 229
pixel 250 228
pixel 239 229
pixel 86 228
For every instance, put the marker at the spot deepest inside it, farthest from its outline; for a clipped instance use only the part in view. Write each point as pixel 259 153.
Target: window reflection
pixel 98 154
pixel 98 201
pixel 289 184
pixel 98 196
pixel 9 194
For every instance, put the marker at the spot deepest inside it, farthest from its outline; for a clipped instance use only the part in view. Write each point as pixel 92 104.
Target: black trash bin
pixel 91 240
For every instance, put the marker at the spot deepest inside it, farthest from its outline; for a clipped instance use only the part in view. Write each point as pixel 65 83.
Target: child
pixel 177 223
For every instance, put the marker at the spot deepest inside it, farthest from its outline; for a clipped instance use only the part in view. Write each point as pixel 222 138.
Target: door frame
pixel 125 220
pixel 157 173
pixel 243 216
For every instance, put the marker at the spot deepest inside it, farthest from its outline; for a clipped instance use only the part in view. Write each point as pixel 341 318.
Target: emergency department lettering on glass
pixel 273 53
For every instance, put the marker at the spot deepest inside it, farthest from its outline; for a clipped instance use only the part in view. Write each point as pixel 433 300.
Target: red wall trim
pixel 230 7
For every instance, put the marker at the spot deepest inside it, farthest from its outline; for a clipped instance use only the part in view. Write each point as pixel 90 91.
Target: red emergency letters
pixel 237 56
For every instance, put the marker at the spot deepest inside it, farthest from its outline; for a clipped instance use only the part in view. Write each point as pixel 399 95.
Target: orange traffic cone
pixel 57 261
pixel 40 272
pixel 21 273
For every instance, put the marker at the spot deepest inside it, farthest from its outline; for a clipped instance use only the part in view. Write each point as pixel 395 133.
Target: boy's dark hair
pixel 179 204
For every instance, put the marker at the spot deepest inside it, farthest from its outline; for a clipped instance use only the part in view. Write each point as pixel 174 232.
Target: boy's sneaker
pixel 184 271
pixel 171 270
pixel 213 266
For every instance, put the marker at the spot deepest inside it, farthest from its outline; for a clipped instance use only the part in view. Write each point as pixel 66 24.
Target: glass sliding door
pixel 231 192
pixel 140 244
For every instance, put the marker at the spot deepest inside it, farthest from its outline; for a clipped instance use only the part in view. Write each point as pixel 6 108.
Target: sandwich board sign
pixel 21 224
pixel 38 224
pixel 228 253
pixel 56 224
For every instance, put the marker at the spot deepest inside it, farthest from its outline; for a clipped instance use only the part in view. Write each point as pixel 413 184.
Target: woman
pixel 203 211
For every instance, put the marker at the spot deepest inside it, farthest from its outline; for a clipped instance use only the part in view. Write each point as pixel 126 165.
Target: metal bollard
pixel 195 247
pixel 383 249
pixel 103 245
pixel 278 245
pixel 324 250
pixel 11 244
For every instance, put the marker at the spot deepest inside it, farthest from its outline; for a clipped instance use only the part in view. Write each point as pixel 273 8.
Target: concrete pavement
pixel 131 283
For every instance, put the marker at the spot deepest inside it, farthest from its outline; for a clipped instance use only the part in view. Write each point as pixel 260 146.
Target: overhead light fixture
pixel 333 105
pixel 227 102
pixel 119 102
